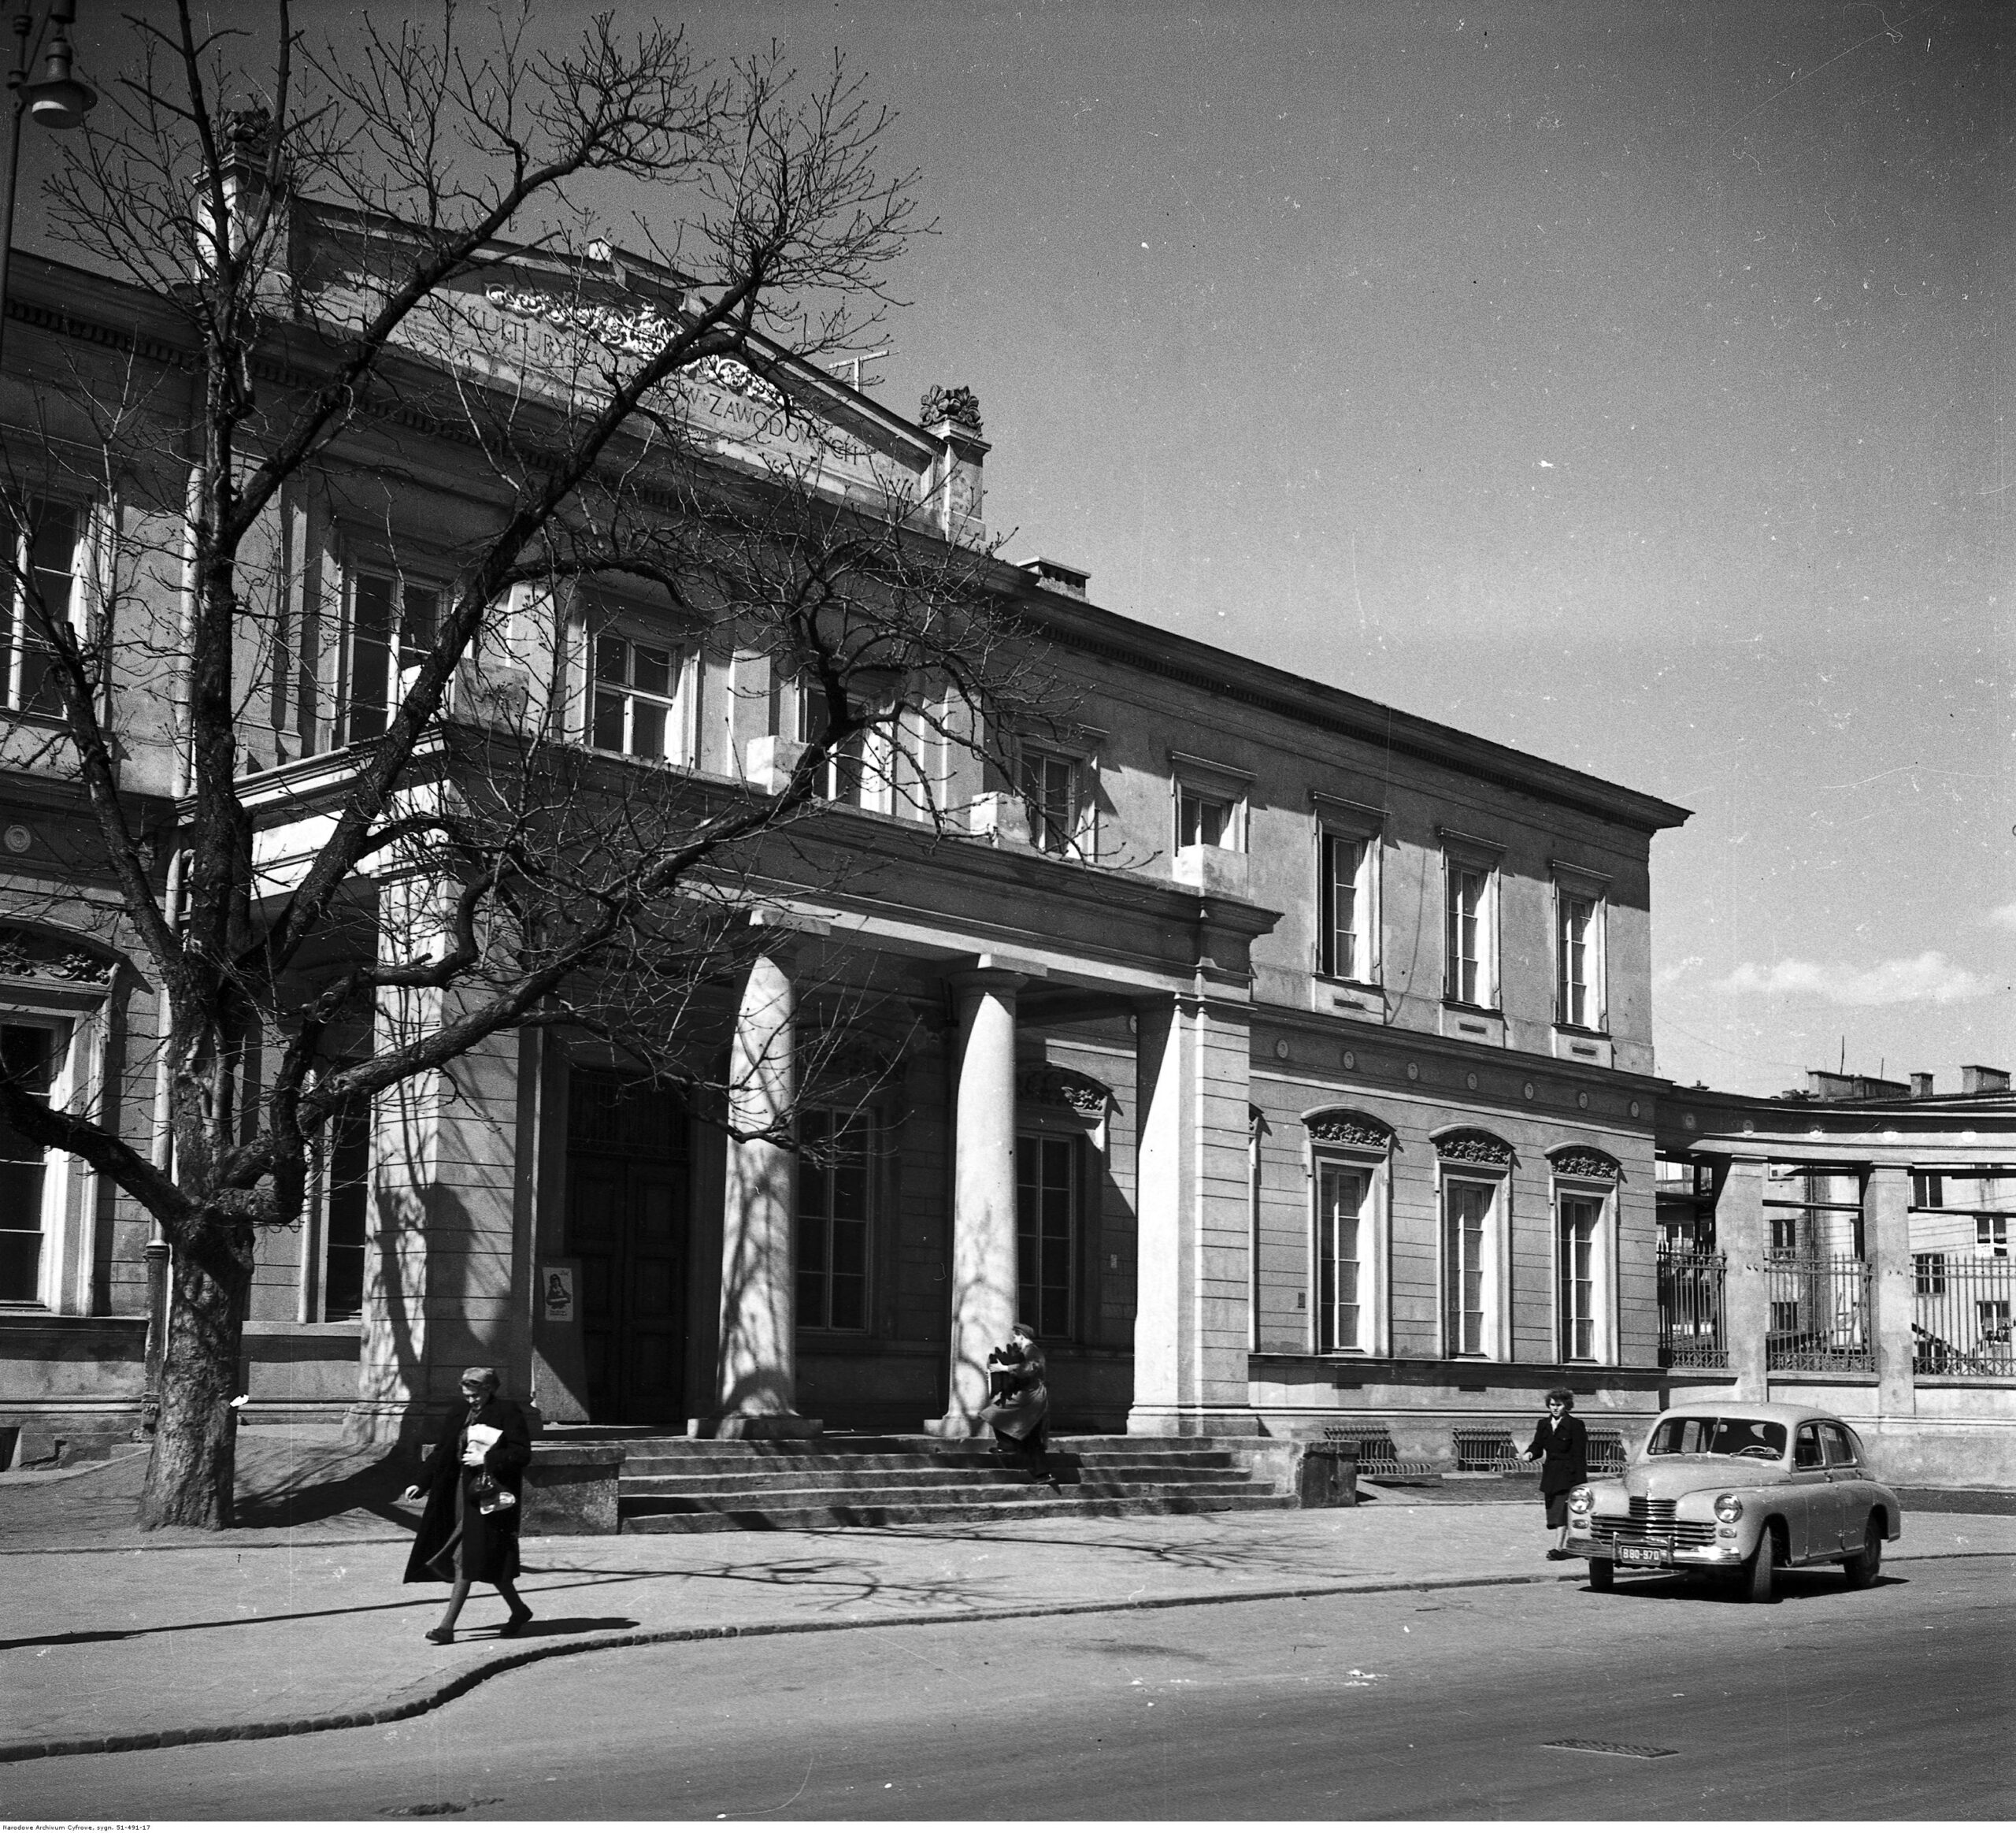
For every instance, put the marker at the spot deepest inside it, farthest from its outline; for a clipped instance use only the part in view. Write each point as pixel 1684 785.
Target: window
pixel 1469 946
pixel 1784 1233
pixel 46 557
pixel 28 1059
pixel 1991 1317
pixel 856 772
pixel 835 1182
pixel 1201 820
pixel 345 1209
pixel 1344 947
pixel 1209 805
pixel 385 644
pixel 635 708
pixel 1576 958
pixel 1581 1219
pixel 1929 1275
pixel 1928 1190
pixel 1343 1208
pixel 1839 1443
pixel 1050 788
pixel 1046 1231
pixel 1992 1235
pixel 1805 1448
pixel 1466 1223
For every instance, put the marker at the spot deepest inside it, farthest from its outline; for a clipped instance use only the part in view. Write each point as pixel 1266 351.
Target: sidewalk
pixel 129 1641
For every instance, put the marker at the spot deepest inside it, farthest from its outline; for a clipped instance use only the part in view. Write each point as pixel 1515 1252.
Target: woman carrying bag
pixel 1560 1443
pixel 472 1481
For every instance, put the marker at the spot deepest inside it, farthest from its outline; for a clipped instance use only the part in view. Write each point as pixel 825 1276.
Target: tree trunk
pixel 191 1475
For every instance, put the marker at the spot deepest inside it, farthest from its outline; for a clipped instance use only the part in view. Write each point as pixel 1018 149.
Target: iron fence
pixel 1820 1314
pixel 1690 1332
pixel 1961 1312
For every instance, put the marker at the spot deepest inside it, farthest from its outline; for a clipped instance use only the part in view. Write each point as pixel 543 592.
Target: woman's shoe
pixel 440 1635
pixel 1557 1552
pixel 515 1624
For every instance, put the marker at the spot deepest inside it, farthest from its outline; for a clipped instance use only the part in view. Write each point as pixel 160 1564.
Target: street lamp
pixel 59 100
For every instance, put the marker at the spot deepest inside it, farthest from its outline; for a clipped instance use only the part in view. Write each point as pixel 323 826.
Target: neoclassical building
pixel 1283 1057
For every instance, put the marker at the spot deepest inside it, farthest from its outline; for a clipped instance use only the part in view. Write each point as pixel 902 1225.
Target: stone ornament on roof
pixel 1345 1126
pixel 1584 1161
pixel 1471 1145
pixel 960 405
pixel 1048 1085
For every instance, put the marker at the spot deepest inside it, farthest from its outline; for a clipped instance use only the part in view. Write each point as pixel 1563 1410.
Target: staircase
pixel 690 1486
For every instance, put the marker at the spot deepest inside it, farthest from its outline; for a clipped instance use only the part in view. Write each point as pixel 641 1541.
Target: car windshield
pixel 1709 1435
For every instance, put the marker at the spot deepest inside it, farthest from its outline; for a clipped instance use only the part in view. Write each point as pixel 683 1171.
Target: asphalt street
pixel 1895 1703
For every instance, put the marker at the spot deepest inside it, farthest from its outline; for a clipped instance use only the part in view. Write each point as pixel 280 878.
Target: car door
pixel 1855 1492
pixel 1812 1513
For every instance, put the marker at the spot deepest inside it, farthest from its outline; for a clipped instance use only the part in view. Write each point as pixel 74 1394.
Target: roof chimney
pixel 1921 1086
pixel 1071 580
pixel 1978 1079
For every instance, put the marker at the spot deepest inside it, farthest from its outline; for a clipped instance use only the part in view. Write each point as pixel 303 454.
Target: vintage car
pixel 1746 1489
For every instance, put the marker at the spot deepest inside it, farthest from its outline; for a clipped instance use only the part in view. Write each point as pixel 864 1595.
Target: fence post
pixel 1886 1192
pixel 1744 1235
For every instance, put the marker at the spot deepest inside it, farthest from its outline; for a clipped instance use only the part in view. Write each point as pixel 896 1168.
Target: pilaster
pixel 1886 1196
pixel 1743 1233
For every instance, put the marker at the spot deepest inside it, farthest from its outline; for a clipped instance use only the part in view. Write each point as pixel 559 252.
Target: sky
pixel 1626 382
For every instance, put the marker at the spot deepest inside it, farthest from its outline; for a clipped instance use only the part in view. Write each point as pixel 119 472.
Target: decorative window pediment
pixel 1347 1127
pixel 1585 1161
pixel 1048 1085
pixel 26 955
pixel 1471 1145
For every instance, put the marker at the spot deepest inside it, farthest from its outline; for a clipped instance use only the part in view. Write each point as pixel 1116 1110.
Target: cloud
pixel 2003 917
pixel 1929 976
pixel 1665 977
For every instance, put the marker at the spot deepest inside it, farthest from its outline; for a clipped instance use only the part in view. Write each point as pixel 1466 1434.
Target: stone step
pixel 735 1468
pixel 668 1495
pixel 926 1514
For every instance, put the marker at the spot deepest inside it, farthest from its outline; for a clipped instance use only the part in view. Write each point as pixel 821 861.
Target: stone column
pixel 1886 1199
pixel 984 1250
pixel 1743 1233
pixel 757 1367
pixel 1191 1328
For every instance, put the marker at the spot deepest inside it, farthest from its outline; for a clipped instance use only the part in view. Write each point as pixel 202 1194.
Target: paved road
pixel 1895 1703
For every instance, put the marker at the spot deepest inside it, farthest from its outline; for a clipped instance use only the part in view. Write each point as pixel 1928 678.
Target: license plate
pixel 1643 1555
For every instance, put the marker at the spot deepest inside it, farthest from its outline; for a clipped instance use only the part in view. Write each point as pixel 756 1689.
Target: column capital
pixel 994 973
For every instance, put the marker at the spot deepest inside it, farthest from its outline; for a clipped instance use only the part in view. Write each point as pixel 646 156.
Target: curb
pixel 426 1695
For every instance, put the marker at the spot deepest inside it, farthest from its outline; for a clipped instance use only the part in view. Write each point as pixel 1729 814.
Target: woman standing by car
pixel 1561 1446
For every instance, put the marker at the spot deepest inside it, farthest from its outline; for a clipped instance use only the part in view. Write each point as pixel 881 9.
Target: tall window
pixel 636 698
pixel 27 1059
pixel 1050 788
pixel 392 626
pixel 1046 1231
pixel 1345 946
pixel 849 776
pixel 1992 1235
pixel 1580 1218
pixel 1575 958
pixel 1467 1217
pixel 1342 1207
pixel 835 1196
pixel 345 1209
pixel 1468 940
pixel 46 556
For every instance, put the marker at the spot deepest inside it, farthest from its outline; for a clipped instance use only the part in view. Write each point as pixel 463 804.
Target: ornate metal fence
pixel 1820 1314
pixel 1690 1333
pixel 1962 1309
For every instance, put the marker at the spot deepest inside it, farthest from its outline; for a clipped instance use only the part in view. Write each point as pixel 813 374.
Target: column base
pixel 756 1425
pixel 957 1426
pixel 1195 1422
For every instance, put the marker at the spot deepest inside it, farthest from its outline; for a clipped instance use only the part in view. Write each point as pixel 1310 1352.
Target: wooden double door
pixel 627 1175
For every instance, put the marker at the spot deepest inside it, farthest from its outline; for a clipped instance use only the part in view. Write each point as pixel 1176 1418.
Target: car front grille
pixel 1636 1530
pixel 1657 1514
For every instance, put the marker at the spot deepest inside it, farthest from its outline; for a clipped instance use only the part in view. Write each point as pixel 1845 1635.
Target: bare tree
pixel 329 255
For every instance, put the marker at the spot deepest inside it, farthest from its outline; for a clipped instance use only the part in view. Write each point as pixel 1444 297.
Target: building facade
pixel 1284 1059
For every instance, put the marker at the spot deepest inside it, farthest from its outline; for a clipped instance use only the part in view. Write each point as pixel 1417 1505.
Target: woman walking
pixel 1019 1414
pixel 1561 1441
pixel 472 1481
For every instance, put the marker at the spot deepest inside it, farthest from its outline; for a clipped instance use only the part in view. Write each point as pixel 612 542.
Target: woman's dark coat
pixel 1564 1464
pixel 490 1542
pixel 1025 1405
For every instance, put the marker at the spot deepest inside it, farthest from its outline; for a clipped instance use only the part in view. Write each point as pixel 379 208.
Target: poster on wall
pixel 556 1291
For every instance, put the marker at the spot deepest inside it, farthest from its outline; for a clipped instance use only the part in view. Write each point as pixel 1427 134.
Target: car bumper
pixel 1653 1556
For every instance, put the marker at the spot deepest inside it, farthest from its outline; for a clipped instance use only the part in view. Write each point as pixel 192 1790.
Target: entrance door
pixel 627 1226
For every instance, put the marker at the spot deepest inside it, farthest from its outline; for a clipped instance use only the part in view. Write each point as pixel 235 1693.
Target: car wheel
pixel 1862 1568
pixel 1602 1575
pixel 1760 1576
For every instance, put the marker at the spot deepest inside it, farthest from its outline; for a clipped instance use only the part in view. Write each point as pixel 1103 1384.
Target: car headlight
pixel 1581 1502
pixel 1728 1508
